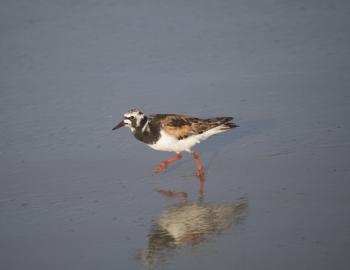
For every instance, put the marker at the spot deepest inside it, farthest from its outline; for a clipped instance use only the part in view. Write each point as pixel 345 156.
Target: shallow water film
pixel 76 195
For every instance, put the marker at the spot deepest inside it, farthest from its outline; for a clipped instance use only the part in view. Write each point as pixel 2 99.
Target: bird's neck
pixel 143 126
pixel 146 132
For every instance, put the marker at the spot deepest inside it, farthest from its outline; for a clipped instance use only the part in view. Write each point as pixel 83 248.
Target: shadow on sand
pixel 188 223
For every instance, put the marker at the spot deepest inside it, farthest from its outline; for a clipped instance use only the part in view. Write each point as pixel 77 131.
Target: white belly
pixel 170 143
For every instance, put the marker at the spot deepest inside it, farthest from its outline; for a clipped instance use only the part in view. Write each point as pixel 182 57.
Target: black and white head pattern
pixel 134 119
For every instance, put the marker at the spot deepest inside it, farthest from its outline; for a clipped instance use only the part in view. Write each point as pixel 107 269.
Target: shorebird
pixel 174 133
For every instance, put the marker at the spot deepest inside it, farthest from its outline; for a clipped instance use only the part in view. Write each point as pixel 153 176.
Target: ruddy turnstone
pixel 174 133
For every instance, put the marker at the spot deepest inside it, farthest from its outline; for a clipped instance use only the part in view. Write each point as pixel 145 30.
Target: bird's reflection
pixel 189 223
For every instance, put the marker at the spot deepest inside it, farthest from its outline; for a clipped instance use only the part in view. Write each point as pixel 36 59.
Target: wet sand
pixel 75 195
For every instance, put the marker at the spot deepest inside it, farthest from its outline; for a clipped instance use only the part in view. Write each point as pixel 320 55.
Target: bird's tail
pixel 223 122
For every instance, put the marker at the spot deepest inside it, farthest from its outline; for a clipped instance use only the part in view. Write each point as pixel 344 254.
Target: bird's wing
pixel 182 126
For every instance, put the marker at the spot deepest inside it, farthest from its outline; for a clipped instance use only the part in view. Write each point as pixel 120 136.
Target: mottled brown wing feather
pixel 182 126
pixel 180 132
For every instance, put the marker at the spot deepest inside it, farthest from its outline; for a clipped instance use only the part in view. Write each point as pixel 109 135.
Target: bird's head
pixel 132 119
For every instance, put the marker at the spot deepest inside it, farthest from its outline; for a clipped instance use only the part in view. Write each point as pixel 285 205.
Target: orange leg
pixel 161 166
pixel 200 172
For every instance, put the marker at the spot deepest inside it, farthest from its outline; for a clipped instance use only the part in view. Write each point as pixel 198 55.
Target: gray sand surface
pixel 75 195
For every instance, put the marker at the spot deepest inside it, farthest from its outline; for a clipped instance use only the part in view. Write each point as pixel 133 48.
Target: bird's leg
pixel 200 172
pixel 161 166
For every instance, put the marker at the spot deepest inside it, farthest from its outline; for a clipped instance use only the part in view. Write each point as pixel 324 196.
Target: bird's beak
pixel 121 124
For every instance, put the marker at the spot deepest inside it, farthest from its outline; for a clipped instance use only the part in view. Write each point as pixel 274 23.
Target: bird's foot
pixel 200 173
pixel 160 167
pixel 172 194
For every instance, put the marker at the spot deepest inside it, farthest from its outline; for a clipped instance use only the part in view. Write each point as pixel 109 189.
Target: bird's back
pixel 182 126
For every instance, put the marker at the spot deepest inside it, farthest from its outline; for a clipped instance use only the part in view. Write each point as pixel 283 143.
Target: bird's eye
pixel 131 117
